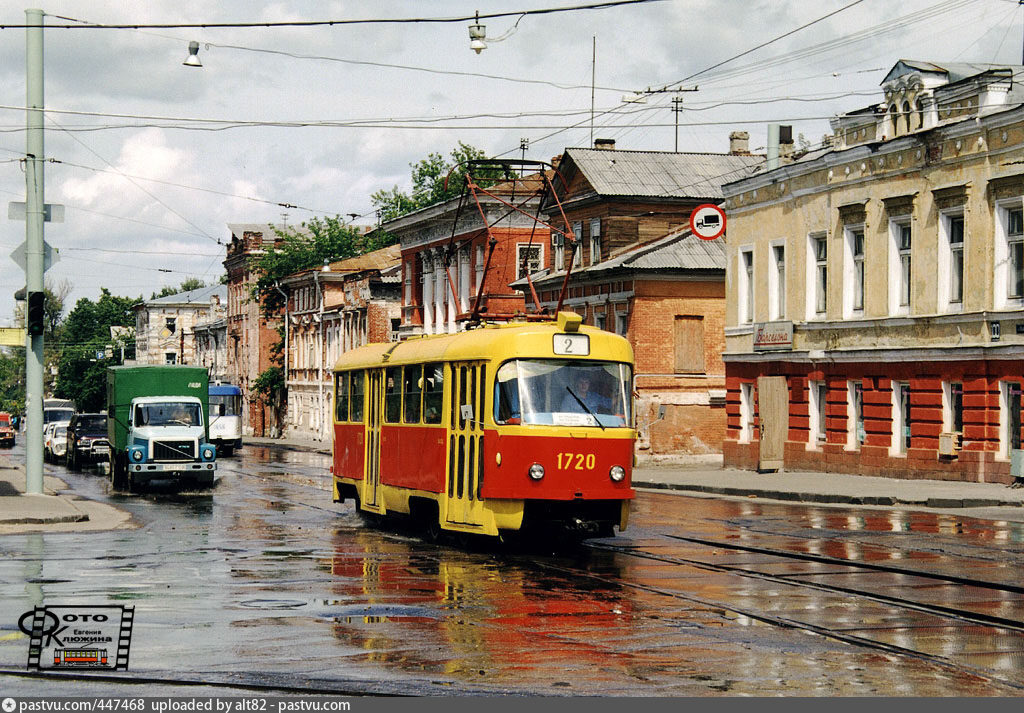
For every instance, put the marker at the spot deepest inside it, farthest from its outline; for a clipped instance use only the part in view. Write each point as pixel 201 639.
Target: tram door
pixel 465 443
pixel 371 477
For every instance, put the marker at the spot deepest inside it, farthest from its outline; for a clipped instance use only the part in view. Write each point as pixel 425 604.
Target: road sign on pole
pixel 12 336
pixel 707 221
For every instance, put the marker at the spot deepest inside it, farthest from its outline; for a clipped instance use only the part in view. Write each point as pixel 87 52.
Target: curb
pixel 77 516
pixel 791 496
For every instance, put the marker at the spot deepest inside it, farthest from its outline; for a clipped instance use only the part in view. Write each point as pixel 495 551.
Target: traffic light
pixel 36 314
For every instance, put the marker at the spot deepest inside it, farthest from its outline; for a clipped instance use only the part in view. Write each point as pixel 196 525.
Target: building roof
pixel 954 71
pixel 201 296
pixel 658 174
pixel 677 251
pixel 375 260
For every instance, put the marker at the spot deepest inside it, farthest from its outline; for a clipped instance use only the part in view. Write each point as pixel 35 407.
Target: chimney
pixel 786 144
pixel 604 144
pixel 739 143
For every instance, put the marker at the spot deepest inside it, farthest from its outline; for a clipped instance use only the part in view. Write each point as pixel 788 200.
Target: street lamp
pixel 477 35
pixel 193 55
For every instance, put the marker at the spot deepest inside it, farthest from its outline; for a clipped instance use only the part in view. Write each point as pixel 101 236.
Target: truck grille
pixel 174 450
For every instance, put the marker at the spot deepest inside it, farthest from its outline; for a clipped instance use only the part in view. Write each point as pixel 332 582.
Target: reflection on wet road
pixel 265 582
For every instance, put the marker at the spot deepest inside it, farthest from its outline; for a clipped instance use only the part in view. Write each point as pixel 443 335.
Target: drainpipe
pixel 773 146
pixel 287 356
pixel 320 349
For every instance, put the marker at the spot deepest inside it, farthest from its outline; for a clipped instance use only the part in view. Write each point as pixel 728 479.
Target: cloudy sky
pixel 153 160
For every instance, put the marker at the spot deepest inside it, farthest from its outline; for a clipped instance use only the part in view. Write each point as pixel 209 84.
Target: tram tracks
pixel 944 615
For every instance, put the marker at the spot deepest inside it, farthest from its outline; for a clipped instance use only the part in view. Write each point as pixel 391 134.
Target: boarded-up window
pixel 689 344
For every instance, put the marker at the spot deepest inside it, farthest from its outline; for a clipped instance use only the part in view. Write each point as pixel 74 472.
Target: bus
pixel 496 430
pixel 225 417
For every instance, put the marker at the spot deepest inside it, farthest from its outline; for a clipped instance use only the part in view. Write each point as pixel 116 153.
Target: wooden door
pixel 773 410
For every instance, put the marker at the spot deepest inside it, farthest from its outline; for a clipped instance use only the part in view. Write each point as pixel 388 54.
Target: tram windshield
pixel 225 404
pixel 560 392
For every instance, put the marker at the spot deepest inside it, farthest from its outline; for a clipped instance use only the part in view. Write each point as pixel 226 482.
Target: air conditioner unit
pixel 949 443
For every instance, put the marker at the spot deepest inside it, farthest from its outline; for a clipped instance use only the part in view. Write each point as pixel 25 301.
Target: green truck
pixel 158 426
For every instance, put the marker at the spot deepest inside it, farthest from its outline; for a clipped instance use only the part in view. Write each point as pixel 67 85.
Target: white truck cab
pixel 167 439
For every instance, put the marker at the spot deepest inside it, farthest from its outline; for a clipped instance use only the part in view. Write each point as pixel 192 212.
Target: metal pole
pixel 34 202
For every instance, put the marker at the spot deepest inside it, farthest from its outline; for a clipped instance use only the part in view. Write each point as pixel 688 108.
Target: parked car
pixel 59 442
pixel 87 440
pixel 47 433
pixel 7 430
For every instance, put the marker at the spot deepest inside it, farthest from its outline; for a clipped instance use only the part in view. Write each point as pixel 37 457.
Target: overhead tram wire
pixel 81 24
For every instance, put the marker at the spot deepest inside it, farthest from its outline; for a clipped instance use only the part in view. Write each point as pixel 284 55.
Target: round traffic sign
pixel 707 221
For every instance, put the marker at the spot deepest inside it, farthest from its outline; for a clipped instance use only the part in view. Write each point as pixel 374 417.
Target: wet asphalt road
pixel 264 583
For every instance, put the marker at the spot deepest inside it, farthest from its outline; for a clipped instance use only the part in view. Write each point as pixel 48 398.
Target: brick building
pixel 164 325
pixel 876 288
pixel 428 305
pixel 639 272
pixel 250 335
pixel 330 310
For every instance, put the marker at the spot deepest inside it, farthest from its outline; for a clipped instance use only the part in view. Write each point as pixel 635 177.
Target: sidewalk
pixel 705 475
pixel 56 510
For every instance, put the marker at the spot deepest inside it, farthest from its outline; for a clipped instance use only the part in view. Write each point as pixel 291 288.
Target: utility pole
pixel 523 145
pixel 677 108
pixel 34 216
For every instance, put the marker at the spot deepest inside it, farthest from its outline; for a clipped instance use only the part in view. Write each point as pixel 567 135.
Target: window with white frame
pixel 746 412
pixel 952 406
pixel 621 321
pixel 464 279
pixel 900 266
pixel 528 259
pixel 1009 255
pixel 854 415
pixel 479 267
pixel 778 283
pixel 1009 417
pixel 853 279
pixel 408 282
pixel 746 286
pixel 817 272
pixel 558 246
pixel 595 241
pixel 577 256
pixel 900 418
pixel 816 398
pixel 951 262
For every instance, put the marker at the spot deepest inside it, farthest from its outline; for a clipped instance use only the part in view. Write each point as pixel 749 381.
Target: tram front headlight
pixel 536 471
pixel 617 473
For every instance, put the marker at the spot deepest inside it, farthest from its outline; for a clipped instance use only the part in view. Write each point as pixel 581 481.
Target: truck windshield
pixel 57 414
pixel 563 393
pixel 168 413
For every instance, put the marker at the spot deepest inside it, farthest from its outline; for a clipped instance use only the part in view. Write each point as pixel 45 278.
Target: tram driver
pixel 581 390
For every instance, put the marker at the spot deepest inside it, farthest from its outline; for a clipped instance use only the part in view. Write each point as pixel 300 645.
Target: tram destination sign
pixel 773 336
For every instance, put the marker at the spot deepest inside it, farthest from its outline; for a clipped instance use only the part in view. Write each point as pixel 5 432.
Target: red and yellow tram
pixel 499 428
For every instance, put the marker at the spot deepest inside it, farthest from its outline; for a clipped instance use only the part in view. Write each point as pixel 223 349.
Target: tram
pixel 225 417
pixel 80 657
pixel 501 428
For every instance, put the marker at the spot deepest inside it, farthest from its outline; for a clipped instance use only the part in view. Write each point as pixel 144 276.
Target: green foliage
pixel 191 283
pixel 303 248
pixel 86 333
pixel 428 183
pixel 270 386
pixel 12 379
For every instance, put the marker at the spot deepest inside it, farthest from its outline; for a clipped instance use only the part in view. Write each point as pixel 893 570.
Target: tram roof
pixel 491 341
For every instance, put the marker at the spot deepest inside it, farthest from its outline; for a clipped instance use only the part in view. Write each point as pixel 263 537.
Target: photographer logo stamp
pixel 78 636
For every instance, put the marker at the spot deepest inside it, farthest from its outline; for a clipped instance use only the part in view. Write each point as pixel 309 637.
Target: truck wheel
pixel 118 473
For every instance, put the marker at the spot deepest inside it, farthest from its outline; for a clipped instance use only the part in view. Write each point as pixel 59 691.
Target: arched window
pixel 918 114
pixel 906 117
pixel 893 119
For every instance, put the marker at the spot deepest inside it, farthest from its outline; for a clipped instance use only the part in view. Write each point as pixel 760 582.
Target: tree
pixel 191 283
pixel 428 183
pixel 310 245
pixel 89 348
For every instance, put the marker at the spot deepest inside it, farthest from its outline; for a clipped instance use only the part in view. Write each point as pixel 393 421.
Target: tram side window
pixel 412 390
pixel 356 396
pixel 341 399
pixel 433 392
pixel 393 395
pixel 506 395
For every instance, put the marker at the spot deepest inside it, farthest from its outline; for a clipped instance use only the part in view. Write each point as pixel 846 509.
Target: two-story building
pixel 164 325
pixel 250 334
pixel 211 345
pixel 875 319
pixel 330 310
pixel 637 271
pixel 436 300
